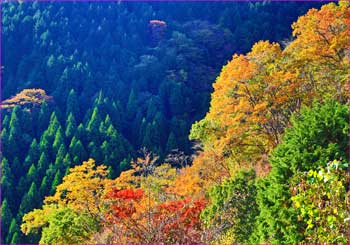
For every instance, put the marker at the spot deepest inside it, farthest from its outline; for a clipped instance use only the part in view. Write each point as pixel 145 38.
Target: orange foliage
pixel 123 205
pixel 27 97
pixel 256 93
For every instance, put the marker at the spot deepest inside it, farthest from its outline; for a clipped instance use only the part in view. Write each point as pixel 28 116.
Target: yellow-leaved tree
pixel 255 94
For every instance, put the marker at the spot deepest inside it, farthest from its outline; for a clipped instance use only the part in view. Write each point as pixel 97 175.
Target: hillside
pixel 133 123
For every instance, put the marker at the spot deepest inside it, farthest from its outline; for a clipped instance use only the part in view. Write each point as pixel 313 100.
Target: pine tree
pixel 76 149
pixel 45 144
pixel 43 189
pixel 12 236
pixel 15 238
pixel 95 152
pixel 15 135
pixel 43 163
pixel 71 126
pixel 54 125
pixel 6 217
pixel 5 121
pixel 61 154
pixel 317 136
pixel 33 153
pixel 7 182
pixel 30 200
pixel 73 106
pixel 171 143
pixel 56 181
pixel 27 122
pixel 5 142
pixel 94 124
pixel 131 106
pixel 44 117
pixel 67 161
pixel 81 133
pixel 16 168
pixel 31 174
pixel 58 141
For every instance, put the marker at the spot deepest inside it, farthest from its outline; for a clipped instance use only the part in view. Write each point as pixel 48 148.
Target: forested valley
pixel 175 122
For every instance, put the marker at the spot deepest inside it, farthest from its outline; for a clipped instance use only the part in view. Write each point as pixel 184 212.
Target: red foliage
pixel 126 194
pixel 185 211
pixel 123 202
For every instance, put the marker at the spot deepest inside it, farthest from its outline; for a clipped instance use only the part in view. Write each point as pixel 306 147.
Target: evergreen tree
pixel 6 217
pixel 45 144
pixel 94 124
pixel 33 153
pixel 95 152
pixel 7 182
pixel 54 125
pixel 15 135
pixel 73 106
pixel 5 142
pixel 71 126
pixel 58 141
pixel 233 208
pixel 171 143
pixel 16 168
pixel 5 121
pixel 31 174
pixel 12 236
pixel 15 238
pixel 56 181
pixel 67 161
pixel 27 122
pixel 81 133
pixel 76 149
pixel 317 136
pixel 131 106
pixel 43 189
pixel 30 200
pixel 44 117
pixel 43 163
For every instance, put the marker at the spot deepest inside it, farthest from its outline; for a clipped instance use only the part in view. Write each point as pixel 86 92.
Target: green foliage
pixel 71 126
pixel 68 227
pixel 232 210
pixel 321 199
pixel 318 135
pixel 6 217
pixel 128 78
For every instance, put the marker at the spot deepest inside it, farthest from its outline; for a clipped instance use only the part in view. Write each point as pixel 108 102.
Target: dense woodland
pixel 133 122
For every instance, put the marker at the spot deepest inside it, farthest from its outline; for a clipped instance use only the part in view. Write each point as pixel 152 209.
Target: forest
pixel 175 122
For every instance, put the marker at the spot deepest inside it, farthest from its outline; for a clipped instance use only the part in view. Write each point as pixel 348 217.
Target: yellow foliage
pixel 255 94
pixel 36 219
pixel 27 97
pixel 83 188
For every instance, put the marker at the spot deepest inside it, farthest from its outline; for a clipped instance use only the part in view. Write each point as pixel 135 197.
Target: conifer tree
pixel 30 200
pixel 12 236
pixel 56 181
pixel 58 141
pixel 43 189
pixel 71 126
pixel 44 117
pixel 73 106
pixel 131 106
pixel 7 181
pixel 6 217
pixel 171 143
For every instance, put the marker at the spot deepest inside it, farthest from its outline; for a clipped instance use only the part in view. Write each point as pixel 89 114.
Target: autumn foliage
pixel 27 98
pixel 256 93
pixel 263 117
